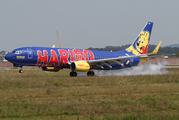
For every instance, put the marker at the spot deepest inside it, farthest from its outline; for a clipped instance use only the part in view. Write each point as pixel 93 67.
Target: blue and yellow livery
pixel 54 59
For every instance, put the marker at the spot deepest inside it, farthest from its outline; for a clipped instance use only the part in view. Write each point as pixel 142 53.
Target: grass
pixel 36 94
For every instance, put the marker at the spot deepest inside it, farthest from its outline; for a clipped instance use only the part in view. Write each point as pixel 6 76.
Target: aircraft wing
pixel 117 60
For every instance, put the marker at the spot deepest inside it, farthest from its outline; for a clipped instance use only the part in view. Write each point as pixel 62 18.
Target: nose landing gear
pixel 21 71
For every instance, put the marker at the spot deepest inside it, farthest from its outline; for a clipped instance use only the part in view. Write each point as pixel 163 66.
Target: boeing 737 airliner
pixel 54 59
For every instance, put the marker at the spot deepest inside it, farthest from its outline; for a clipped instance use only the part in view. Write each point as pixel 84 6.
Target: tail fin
pixel 140 45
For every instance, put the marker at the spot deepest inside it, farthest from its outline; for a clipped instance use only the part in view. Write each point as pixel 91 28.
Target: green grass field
pixel 36 94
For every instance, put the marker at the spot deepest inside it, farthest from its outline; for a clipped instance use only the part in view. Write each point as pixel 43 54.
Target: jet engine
pixel 52 69
pixel 80 66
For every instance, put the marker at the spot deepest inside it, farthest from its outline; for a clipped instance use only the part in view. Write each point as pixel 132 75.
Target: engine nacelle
pixel 80 66
pixel 52 69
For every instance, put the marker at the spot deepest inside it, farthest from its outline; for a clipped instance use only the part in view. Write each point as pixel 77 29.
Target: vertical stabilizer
pixel 140 45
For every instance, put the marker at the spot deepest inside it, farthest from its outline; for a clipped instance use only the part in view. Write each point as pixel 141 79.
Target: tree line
pixel 162 50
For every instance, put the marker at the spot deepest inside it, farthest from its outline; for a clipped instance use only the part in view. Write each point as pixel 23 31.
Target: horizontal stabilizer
pixel 156 49
pixel 53 46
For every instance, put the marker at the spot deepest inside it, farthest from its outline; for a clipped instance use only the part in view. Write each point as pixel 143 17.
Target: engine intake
pixel 80 66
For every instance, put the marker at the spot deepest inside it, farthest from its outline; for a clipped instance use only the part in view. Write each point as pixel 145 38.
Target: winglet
pixel 156 49
pixel 53 46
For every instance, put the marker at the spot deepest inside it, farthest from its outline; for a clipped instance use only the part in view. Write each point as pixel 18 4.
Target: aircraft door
pixel 13 56
pixel 30 53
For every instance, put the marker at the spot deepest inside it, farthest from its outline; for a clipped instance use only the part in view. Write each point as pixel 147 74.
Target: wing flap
pixel 108 62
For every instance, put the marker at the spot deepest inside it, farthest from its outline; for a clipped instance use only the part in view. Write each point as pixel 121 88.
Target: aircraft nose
pixel 8 57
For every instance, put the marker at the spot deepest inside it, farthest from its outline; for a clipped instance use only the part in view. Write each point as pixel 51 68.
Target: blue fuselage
pixel 60 57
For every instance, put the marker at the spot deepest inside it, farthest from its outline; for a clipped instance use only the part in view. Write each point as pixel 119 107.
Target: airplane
pixel 79 60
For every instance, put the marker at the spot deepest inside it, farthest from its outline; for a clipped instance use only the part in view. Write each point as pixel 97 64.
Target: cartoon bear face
pixel 142 43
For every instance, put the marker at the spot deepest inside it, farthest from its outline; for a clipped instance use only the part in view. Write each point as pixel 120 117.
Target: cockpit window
pixel 13 51
pixel 18 52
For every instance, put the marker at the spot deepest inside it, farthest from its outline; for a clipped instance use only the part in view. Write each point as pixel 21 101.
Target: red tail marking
pixel 41 58
pixel 145 49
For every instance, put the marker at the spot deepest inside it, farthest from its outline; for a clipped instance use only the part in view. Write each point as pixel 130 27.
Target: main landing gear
pixel 74 74
pixel 90 73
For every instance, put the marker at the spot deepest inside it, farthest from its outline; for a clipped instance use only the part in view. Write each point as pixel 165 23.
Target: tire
pixel 73 74
pixel 90 73
pixel 21 71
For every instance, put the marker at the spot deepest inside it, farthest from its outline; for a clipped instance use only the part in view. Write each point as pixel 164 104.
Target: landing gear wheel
pixel 73 74
pixel 90 73
pixel 20 71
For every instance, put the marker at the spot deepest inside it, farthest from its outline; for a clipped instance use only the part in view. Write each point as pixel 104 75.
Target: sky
pixel 85 23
